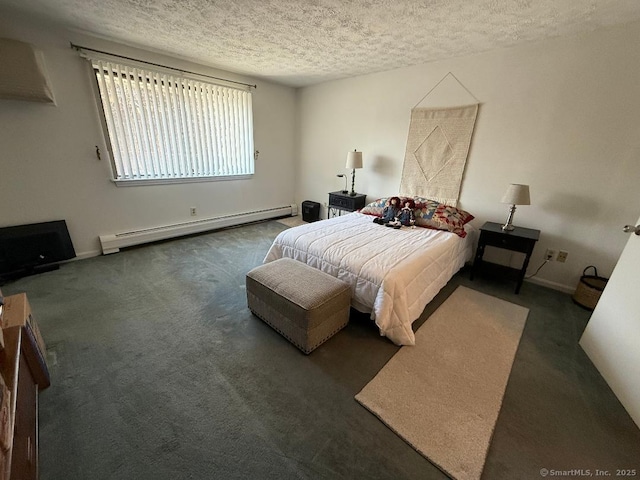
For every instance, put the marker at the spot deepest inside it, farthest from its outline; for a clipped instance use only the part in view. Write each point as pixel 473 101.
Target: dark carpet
pixel 159 371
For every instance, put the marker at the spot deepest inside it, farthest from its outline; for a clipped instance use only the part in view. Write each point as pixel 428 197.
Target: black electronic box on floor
pixel 310 211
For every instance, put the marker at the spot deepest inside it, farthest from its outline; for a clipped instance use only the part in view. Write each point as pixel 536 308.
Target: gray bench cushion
pixel 305 305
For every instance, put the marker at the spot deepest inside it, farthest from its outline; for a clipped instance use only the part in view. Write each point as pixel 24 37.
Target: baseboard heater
pixel 112 243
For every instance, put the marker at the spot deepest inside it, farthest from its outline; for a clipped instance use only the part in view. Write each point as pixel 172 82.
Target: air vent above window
pixel 22 73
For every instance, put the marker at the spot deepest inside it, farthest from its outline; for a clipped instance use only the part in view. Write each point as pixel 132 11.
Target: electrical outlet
pixel 193 212
pixel 550 254
pixel 562 256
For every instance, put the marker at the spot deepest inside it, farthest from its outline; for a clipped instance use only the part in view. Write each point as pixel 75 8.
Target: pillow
pixel 432 214
pixel 423 200
pixel 374 208
pixel 428 213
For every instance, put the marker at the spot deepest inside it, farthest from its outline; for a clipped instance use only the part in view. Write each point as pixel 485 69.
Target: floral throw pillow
pixel 424 211
pixel 374 208
pixel 432 214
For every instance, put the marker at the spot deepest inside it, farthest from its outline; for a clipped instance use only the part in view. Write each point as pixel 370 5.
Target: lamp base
pixel 508 227
pixel 353 183
pixel 352 194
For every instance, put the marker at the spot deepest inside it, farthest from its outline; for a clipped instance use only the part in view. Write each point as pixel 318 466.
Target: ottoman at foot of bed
pixel 303 304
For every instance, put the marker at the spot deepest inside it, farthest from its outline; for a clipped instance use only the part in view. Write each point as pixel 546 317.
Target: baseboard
pixel 113 242
pixel 553 285
pixel 85 255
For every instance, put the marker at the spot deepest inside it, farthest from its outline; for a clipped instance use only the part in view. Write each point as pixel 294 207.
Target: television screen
pixel 24 248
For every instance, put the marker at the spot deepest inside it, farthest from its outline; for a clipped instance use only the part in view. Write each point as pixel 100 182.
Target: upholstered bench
pixel 305 305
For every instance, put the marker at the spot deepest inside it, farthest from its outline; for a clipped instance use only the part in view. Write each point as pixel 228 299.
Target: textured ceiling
pixel 299 42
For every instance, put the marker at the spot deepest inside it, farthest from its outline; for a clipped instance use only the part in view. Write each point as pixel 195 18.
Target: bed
pixel 393 273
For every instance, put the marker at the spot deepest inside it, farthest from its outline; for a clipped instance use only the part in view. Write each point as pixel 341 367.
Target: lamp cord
pixel 539 268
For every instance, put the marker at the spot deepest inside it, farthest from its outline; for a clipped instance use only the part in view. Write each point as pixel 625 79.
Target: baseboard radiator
pixel 114 242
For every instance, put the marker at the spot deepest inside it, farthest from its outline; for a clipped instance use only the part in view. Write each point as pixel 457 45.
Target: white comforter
pixel 393 273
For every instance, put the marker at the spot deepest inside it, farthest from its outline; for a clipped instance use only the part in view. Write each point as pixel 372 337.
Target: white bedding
pixel 393 273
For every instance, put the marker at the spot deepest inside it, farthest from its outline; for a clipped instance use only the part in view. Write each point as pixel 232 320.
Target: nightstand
pixel 518 240
pixel 343 202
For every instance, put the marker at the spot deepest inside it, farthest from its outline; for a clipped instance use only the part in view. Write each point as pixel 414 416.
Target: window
pixel 166 127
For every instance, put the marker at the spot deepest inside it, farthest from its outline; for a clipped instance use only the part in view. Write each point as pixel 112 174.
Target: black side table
pixel 518 240
pixel 343 202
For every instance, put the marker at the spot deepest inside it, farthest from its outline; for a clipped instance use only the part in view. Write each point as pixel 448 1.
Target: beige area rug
pixel 292 221
pixel 443 396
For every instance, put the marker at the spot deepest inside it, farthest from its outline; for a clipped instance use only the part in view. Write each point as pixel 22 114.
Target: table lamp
pixel 516 194
pixel 354 160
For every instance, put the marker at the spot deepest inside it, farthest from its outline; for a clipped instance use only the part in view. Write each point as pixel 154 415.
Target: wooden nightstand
pixel 343 202
pixel 518 240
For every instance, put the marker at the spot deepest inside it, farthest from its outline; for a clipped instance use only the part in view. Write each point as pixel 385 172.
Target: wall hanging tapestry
pixel 436 153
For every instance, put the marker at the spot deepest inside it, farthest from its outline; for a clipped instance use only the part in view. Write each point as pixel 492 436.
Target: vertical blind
pixel 164 126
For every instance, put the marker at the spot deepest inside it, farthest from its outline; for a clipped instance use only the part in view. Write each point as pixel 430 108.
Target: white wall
pixel 559 115
pixel 49 171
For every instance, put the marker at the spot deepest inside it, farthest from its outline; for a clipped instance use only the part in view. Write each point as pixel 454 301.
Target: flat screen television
pixel 34 248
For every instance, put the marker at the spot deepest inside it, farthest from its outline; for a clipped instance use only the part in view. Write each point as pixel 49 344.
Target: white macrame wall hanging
pixel 437 149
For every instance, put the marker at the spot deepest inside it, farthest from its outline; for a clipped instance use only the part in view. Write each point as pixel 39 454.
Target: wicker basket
pixel 589 289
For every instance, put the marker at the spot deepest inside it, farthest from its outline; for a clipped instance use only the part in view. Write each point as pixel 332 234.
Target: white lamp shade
pixel 517 194
pixel 354 159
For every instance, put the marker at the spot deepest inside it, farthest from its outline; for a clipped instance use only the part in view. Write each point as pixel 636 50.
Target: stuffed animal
pixel 390 212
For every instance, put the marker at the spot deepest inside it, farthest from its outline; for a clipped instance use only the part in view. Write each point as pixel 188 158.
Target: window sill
pixel 164 181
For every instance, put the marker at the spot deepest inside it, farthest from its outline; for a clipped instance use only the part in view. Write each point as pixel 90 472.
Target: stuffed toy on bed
pixel 390 212
pixel 405 217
